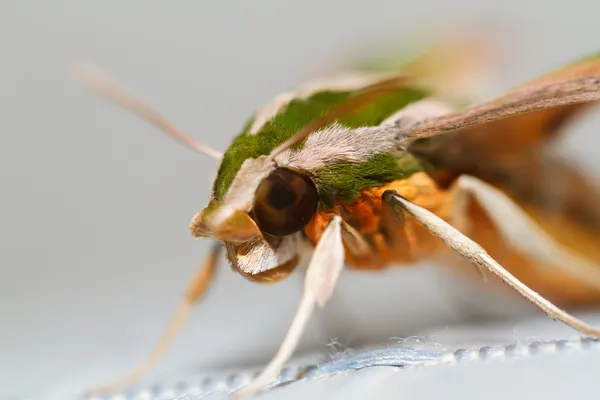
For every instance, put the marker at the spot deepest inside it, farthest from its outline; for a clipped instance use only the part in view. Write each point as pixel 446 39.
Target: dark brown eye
pixel 284 202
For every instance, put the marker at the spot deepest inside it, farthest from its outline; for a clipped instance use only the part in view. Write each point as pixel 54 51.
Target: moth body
pixel 386 167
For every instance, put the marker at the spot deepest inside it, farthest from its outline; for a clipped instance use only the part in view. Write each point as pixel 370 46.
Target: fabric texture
pixel 415 368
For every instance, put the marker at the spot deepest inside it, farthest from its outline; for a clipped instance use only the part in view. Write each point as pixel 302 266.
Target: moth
pixel 376 167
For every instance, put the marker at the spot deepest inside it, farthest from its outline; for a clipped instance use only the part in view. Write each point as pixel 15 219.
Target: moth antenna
pixel 96 80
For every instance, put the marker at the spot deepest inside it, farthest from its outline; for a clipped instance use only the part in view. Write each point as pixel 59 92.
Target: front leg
pixel 322 274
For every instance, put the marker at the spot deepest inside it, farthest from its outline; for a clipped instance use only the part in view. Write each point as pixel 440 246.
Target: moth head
pixel 260 217
pixel 257 208
pixel 265 192
pixel 274 201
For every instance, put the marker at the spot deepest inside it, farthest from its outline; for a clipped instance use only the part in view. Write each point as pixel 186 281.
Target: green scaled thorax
pixel 299 113
pixel 336 181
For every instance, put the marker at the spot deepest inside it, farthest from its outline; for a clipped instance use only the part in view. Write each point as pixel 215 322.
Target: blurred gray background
pixel 95 251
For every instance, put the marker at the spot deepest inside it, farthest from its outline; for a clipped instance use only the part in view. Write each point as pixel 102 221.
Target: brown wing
pixel 541 105
pixel 501 139
pixel 504 141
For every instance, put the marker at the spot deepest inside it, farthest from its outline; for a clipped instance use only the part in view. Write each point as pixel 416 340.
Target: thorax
pixel 389 237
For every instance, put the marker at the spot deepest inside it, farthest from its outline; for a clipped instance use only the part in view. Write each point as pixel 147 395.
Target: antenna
pixel 96 80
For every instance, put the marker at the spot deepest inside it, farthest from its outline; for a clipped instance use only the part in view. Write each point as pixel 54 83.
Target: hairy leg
pixel 322 274
pixel 197 288
pixel 519 231
pixel 477 255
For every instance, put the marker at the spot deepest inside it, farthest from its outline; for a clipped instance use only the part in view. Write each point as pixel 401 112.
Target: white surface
pixel 550 374
pixel 95 203
pixel 554 376
pixel 462 361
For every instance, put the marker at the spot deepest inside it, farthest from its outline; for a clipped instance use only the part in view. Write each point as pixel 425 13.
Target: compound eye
pixel 284 202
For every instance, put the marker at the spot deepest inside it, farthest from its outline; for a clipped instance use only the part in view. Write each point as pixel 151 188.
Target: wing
pixel 504 142
pixel 509 149
pixel 526 116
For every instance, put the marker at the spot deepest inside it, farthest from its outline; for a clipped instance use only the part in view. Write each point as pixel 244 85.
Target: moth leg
pixel 460 219
pixel 477 255
pixel 197 288
pixel 322 274
pixel 519 230
pixel 356 243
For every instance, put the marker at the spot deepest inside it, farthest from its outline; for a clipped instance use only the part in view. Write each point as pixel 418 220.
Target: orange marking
pixel 418 244
pixel 365 213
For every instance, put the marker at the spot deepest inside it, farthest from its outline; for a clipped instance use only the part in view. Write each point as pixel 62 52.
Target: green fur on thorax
pixel 344 180
pixel 347 180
